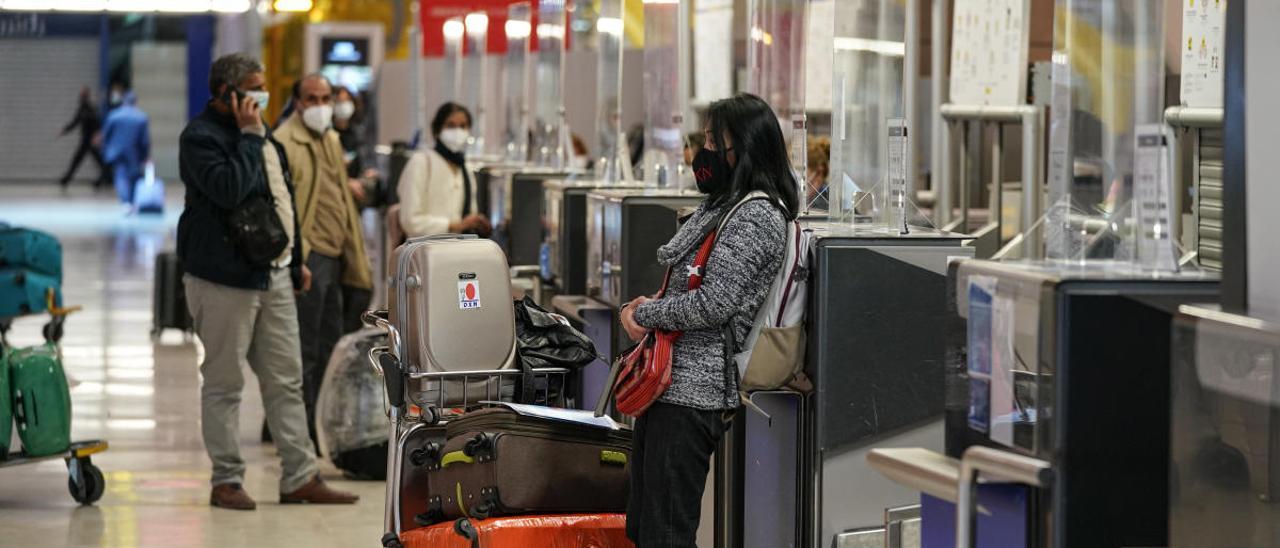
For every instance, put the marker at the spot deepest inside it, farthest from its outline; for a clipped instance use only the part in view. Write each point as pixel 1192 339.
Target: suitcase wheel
pixel 89 484
pixel 480 447
pixel 390 540
pixel 428 455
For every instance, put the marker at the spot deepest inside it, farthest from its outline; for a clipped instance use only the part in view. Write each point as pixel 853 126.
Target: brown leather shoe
pixel 317 492
pixel 231 496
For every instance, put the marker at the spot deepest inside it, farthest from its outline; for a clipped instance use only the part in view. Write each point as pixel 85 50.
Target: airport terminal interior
pixel 640 273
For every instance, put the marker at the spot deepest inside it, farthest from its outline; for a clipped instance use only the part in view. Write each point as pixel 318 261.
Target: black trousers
pixel 320 321
pixel 670 458
pixel 86 147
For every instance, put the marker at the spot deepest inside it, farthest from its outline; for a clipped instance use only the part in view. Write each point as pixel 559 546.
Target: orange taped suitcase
pixel 563 531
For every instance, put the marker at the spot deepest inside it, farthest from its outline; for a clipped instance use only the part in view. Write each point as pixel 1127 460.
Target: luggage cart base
pixel 85 482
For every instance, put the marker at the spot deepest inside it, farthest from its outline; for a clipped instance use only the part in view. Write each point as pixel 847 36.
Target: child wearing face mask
pixel 437 188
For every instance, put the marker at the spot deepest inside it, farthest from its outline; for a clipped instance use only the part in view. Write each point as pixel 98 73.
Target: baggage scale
pixel 85 481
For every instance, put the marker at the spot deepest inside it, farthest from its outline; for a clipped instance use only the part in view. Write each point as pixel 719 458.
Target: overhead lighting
pixel 609 25
pixel 548 30
pixel 517 30
pixel 878 47
pixel 477 24
pixel 760 35
pixel 129 6
pixel 661 1
pixel 291 5
pixel 454 29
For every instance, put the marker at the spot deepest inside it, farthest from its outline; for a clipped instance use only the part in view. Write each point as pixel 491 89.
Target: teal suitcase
pixel 26 249
pixel 25 292
pixel 41 400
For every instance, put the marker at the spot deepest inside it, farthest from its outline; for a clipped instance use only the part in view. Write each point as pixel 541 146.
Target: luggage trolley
pixel 85 481
pixel 421 402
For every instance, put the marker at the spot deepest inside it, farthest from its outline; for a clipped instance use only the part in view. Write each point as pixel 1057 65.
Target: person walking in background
pixel 245 314
pixel 126 144
pixel 331 235
pixel 87 119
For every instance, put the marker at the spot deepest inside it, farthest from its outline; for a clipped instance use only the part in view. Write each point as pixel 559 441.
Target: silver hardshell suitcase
pixel 450 301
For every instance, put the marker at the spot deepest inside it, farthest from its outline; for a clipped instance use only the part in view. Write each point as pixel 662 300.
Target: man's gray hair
pixel 231 69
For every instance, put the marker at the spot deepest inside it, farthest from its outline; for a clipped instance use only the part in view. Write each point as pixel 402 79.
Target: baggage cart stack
pixel 34 394
pixel 451 348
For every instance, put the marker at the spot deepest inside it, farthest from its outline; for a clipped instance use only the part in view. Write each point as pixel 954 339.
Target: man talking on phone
pixel 244 311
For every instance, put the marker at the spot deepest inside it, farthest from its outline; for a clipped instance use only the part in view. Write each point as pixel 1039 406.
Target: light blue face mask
pixel 262 97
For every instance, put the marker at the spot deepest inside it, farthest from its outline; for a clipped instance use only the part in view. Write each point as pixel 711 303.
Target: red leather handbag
pixel 644 371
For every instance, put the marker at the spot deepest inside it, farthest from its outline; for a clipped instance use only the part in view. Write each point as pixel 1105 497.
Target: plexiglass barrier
pixel 612 164
pixel 451 77
pixel 475 82
pixel 867 80
pixel 549 134
pixel 664 108
pixel 516 101
pixel 1108 89
pixel 775 70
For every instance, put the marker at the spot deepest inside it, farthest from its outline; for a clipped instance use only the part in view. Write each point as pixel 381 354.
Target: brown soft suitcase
pixel 450 301
pixel 500 462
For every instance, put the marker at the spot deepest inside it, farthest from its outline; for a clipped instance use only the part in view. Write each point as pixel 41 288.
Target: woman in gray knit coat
pixel 674 439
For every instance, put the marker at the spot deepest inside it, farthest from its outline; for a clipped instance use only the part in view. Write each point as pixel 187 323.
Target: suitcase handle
pixel 445 236
pixel 456 457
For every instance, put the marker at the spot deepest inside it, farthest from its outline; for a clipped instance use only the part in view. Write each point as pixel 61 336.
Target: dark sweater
pixel 221 167
pixel 746 257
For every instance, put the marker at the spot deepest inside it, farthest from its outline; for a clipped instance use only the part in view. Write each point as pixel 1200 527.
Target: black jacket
pixel 221 167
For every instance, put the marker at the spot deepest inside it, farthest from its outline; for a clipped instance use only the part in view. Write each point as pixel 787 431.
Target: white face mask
pixel 262 97
pixel 454 139
pixel 318 118
pixel 344 110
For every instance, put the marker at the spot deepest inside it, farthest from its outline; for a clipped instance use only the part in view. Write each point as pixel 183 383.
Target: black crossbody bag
pixel 257 232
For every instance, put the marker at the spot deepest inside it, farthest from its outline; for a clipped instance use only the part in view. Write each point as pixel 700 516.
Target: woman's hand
pixel 473 224
pixel 634 330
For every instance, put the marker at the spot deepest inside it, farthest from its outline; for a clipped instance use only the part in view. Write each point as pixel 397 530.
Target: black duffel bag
pixel 547 340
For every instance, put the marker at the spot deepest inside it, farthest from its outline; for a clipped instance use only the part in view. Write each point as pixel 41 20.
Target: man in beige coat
pixel 332 241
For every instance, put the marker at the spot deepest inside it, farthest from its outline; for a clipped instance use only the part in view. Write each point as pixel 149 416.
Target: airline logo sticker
pixel 468 294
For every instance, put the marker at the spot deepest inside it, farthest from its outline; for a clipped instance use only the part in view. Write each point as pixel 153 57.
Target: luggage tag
pixel 468 291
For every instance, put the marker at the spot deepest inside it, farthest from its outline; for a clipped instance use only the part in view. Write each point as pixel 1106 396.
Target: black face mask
pixel 712 172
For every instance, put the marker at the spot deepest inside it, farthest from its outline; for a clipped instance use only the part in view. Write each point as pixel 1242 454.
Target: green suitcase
pixel 6 408
pixel 41 400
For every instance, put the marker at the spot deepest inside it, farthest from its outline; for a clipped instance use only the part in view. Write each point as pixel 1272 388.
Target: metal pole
pixel 940 146
pixel 911 77
pixel 1032 180
pixel 996 213
pixel 417 109
pixel 964 177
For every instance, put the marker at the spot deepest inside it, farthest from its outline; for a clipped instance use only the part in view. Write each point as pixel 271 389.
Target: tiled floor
pixel 143 398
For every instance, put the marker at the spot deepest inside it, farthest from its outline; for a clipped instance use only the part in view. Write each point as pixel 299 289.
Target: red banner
pixel 436 12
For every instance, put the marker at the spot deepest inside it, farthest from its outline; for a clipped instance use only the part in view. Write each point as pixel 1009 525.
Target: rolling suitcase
pixel 169 297
pixel 41 400
pixel 562 531
pixel 520 459
pixel 148 192
pixel 6 409
pixel 25 292
pixel 450 301
pixel 26 249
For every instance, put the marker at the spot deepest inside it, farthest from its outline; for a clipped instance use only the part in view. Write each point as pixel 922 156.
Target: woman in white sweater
pixel 437 190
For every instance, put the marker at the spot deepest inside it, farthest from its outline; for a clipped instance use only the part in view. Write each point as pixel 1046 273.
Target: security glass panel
pixel 475 82
pixel 451 76
pixel 516 101
pixel 867 91
pixel 775 68
pixel 1108 79
pixel 610 43
pixel 549 134
pixel 664 108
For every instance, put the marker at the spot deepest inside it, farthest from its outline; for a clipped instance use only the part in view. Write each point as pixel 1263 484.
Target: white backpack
pixel 772 356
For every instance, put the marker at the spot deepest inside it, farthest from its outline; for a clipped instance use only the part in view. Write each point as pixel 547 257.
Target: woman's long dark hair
pixel 762 161
pixel 442 115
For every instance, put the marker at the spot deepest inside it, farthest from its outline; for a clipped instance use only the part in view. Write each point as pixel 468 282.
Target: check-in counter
pixel 564 214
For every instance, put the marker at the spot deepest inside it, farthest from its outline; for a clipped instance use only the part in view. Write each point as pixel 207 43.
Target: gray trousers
pixel 260 329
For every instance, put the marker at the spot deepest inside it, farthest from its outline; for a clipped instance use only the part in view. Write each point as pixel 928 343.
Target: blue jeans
pixel 670 458
pixel 125 177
